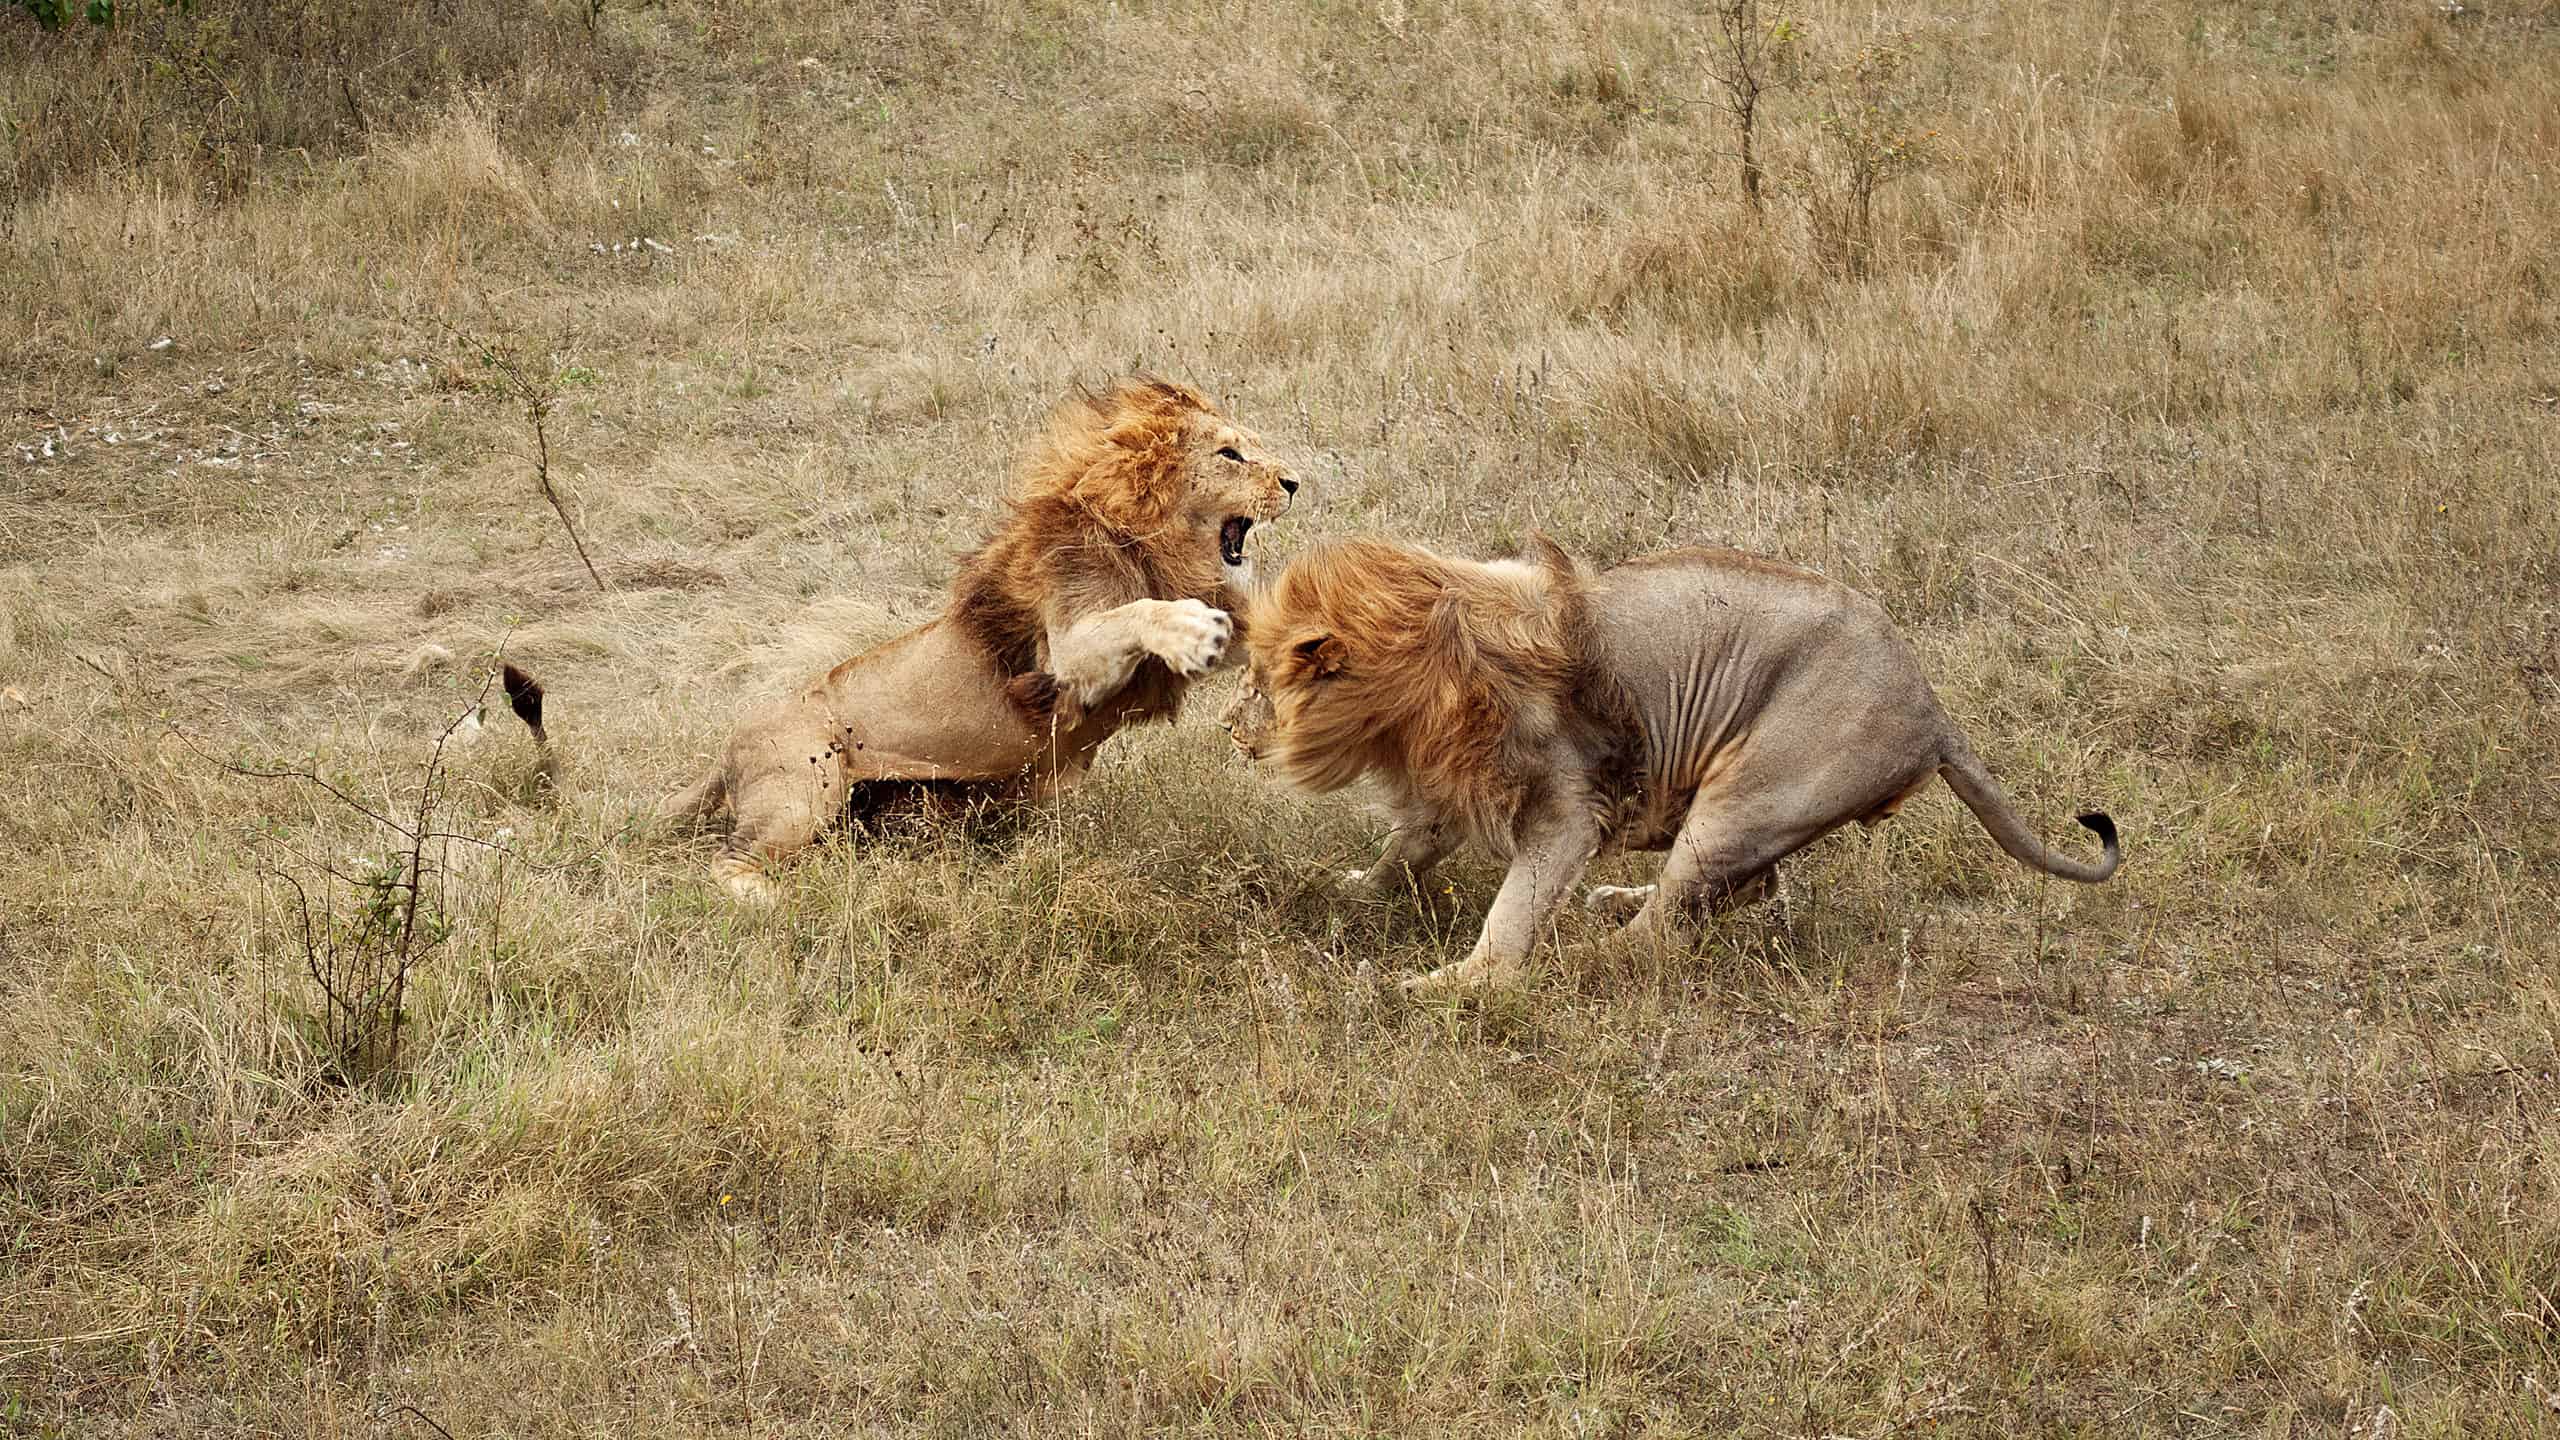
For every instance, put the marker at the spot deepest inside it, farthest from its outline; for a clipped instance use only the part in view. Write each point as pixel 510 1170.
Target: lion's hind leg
pixel 1621 904
pixel 776 817
pixel 695 803
pixel 1712 870
pixel 785 790
pixel 1758 813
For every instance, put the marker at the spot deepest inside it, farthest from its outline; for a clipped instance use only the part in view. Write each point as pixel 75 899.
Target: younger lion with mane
pixel 1723 707
pixel 1102 595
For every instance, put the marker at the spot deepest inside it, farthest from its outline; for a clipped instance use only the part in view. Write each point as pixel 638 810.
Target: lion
pixel 1104 592
pixel 1720 706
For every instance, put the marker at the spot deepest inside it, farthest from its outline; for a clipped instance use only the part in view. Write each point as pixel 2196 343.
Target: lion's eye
pixel 1228 452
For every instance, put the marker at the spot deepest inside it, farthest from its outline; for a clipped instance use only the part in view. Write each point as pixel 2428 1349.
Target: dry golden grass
pixel 2195 406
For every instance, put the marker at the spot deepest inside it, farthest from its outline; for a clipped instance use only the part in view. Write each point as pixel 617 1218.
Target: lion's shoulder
pixel 1050 561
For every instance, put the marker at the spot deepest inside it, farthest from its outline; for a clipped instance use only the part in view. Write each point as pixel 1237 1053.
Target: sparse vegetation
pixel 374 919
pixel 1867 117
pixel 1746 57
pixel 532 384
pixel 2194 409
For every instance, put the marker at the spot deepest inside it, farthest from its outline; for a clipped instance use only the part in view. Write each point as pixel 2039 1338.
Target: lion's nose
pixel 1288 486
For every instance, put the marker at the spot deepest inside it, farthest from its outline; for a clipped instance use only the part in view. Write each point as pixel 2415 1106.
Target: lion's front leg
pixel 1414 848
pixel 1557 849
pixel 1095 656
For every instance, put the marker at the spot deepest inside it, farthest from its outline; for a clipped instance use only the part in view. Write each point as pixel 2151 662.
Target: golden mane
pixel 1119 455
pixel 1381 657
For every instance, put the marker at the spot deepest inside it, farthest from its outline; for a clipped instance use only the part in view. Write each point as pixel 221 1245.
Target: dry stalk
pixel 1739 63
pixel 533 391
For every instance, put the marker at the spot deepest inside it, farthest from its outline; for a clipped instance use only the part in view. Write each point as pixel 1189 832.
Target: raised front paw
pixel 1190 636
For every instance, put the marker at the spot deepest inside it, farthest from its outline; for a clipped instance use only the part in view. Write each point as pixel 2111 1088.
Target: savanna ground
pixel 2191 390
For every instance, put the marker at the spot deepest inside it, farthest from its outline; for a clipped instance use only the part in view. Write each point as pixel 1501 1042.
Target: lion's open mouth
pixel 1231 538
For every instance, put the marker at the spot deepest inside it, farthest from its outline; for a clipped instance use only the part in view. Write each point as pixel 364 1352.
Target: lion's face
pixel 1236 484
pixel 1249 718
pixel 1159 464
pixel 1284 687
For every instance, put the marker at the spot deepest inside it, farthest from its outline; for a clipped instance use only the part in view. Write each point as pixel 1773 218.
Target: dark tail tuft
pixel 2098 821
pixel 524 696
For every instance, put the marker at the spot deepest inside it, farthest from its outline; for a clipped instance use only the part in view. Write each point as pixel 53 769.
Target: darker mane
pixel 1047 535
pixel 1103 477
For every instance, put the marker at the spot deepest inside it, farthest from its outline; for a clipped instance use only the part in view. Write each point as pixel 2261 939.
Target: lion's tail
pixel 524 696
pixel 1990 805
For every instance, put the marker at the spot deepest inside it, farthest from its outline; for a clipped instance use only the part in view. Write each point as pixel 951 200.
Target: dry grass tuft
pixel 218 98
pixel 2189 396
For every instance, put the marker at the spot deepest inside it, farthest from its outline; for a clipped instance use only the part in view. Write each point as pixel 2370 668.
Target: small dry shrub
pixel 1871 113
pixel 363 935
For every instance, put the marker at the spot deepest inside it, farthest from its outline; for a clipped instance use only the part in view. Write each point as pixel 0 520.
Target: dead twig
pixel 534 392
pixel 1991 1324
pixel 421 1416
pixel 47 1342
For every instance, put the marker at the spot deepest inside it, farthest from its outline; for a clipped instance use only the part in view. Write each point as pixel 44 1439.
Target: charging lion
pixel 1726 708
pixel 1104 592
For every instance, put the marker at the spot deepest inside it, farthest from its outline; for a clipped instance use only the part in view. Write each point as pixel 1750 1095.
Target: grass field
pixel 2188 384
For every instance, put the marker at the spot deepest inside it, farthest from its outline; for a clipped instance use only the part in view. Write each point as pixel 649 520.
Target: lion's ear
pixel 1321 654
pixel 1551 557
